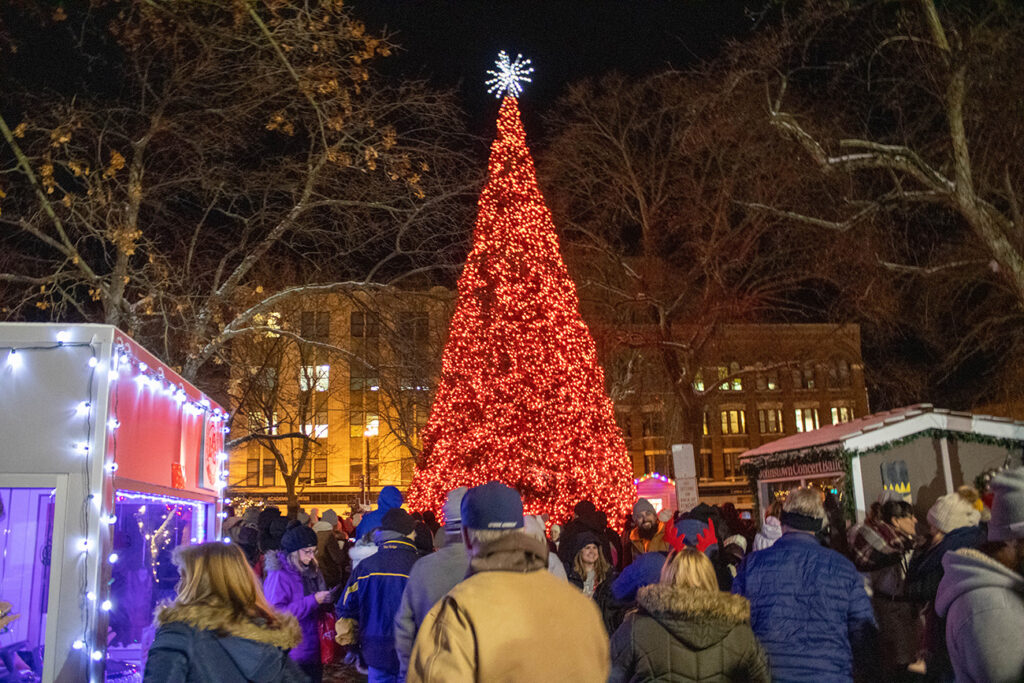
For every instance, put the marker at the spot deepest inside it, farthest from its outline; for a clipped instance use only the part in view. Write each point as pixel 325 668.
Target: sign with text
pixel 801 470
pixel 686 476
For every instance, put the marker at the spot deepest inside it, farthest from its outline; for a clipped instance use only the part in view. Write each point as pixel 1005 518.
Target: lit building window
pixel 841 414
pixel 770 420
pixel 734 422
pixel 318 428
pixel 698 382
pixel 806 419
pixel 316 377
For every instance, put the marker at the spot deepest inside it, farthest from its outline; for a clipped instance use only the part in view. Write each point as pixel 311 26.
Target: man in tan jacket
pixel 511 619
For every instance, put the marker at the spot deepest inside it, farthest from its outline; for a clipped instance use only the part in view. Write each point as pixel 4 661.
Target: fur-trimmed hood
pixel 698 618
pixel 224 623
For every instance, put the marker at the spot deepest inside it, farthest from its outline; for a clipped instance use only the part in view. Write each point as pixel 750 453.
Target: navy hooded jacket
pixel 389 497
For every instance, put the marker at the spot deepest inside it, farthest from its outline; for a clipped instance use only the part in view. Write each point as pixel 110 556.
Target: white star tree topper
pixel 509 76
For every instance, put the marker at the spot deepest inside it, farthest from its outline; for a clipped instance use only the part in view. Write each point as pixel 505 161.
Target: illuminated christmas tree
pixel 521 397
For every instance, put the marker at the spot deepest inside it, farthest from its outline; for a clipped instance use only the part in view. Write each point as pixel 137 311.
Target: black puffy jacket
pixel 200 644
pixel 687 635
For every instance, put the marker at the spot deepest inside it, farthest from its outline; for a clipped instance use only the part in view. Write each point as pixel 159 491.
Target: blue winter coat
pixel 372 597
pixel 389 497
pixel 809 609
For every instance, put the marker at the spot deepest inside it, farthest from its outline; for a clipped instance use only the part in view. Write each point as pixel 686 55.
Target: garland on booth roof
pixel 845 456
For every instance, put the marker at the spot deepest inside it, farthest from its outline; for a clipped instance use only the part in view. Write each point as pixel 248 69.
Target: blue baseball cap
pixel 492 506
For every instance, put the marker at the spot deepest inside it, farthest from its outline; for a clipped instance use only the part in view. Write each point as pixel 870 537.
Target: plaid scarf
pixel 877 545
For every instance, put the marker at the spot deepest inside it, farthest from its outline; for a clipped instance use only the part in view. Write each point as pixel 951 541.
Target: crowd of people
pixel 495 594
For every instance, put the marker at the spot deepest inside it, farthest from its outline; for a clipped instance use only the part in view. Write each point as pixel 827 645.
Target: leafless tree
pixel 648 181
pixel 917 108
pixel 246 155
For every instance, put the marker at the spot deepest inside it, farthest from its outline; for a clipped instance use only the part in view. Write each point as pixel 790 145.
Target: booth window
pixel 147 530
pixel 26 545
pixel 770 420
pixel 734 422
pixel 841 414
pixel 806 419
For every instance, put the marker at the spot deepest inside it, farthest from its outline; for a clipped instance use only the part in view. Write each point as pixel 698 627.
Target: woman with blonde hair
pixel 220 627
pixel 685 629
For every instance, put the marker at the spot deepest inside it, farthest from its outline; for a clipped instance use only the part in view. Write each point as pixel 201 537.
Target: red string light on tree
pixel 521 398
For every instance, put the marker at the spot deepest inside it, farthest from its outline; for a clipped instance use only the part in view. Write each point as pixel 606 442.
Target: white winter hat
pixel 736 539
pixel 322 526
pixel 952 511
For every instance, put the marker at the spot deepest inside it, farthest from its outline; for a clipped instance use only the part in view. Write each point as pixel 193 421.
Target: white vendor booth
pixel 920 451
pixel 108 461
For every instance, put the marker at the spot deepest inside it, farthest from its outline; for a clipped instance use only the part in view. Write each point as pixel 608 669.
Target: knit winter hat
pixel 641 506
pixel 397 519
pixel 951 512
pixel 330 516
pixel 322 526
pixel 582 540
pixel 1007 520
pixel 452 509
pixel 297 538
pixel 302 517
pixel 736 539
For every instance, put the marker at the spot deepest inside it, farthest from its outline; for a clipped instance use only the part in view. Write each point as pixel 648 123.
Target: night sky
pixel 454 43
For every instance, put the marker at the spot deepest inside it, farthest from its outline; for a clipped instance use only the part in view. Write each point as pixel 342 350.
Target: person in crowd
pixel 771 528
pixel 388 498
pixel 294 585
pixel 647 536
pixel 981 594
pixel 953 524
pixel 367 608
pixel 510 619
pixel 574 526
pixel 731 555
pixel 431 578
pixel 808 604
pixel 710 515
pixel 736 523
pixel 687 630
pixel 882 548
pixel 303 518
pixel 534 525
pixel 834 534
pixel 330 558
pixel 593 575
pixel 430 519
pixel 612 541
pixel 220 626
pixel 423 539
pixel 270 544
pixel 642 571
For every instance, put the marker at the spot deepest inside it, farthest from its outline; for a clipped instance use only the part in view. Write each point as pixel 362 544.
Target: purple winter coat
pixel 289 591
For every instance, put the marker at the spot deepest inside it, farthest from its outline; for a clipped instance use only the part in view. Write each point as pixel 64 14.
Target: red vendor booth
pixel 109 462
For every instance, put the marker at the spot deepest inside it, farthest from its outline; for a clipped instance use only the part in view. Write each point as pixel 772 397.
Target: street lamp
pixel 372 428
